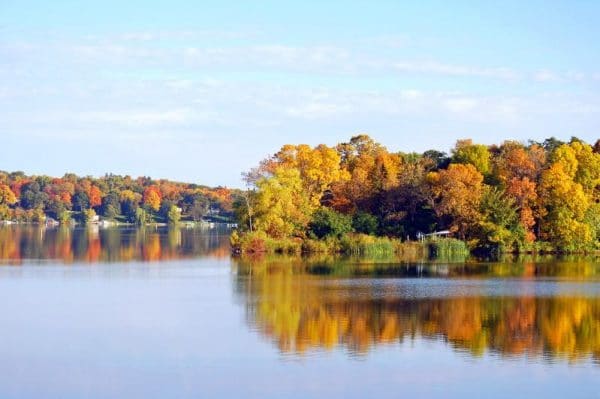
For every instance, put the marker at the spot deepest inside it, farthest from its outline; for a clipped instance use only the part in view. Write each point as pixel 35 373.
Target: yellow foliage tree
pixel 319 167
pixel 282 207
pixel 478 155
pixel 7 197
pixel 565 202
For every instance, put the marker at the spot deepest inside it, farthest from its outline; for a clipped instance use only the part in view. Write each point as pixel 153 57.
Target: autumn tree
pixel 282 206
pixel 152 198
pixel 319 168
pixel 110 196
pixel 517 170
pixel 7 198
pixel 478 155
pixel 458 192
pixel 565 201
pixel 372 170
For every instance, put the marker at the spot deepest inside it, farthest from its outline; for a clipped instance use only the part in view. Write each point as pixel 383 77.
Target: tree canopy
pixel 113 197
pixel 511 195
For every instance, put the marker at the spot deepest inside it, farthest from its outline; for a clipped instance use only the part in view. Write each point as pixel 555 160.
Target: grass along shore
pixel 356 244
pixel 348 244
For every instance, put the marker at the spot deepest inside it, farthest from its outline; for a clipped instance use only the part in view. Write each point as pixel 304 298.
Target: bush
pixel 259 242
pixel 365 223
pixel 329 223
pixel 88 216
pixel 174 215
pixel 64 217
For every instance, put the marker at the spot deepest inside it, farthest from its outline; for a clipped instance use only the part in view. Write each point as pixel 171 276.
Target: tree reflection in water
pixel 304 305
pixel 19 244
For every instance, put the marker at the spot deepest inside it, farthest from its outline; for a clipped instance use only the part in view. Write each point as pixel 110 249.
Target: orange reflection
pixel 19 244
pixel 301 311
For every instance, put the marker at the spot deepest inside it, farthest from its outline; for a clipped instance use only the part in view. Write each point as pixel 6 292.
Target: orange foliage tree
pixel 152 198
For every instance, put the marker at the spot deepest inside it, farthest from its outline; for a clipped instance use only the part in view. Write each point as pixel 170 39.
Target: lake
pixel 167 313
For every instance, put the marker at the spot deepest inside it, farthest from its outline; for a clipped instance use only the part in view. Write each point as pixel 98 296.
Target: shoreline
pixel 253 244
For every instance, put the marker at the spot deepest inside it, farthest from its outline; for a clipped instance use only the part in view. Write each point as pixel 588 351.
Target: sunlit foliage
pixel 111 197
pixel 515 196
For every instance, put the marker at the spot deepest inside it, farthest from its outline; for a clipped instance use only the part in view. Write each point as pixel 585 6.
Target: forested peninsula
pixel 111 199
pixel 359 197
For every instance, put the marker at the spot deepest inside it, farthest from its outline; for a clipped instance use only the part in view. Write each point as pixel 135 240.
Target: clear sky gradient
pixel 201 91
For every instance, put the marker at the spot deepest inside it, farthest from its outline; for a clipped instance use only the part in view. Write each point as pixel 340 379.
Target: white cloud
pixel 317 110
pixel 189 52
pixel 456 70
pixel 575 76
pixel 460 105
pixel 147 36
pixel 138 118
pixel 545 75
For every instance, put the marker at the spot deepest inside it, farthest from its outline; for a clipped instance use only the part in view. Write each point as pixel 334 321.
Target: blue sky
pixel 201 91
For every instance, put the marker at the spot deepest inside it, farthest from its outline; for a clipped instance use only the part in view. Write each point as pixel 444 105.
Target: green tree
pixel 478 155
pixel 111 205
pixel 365 223
pixel 64 217
pixel 499 227
pixel 141 216
pixel 80 201
pixel 174 214
pixel 88 216
pixel 329 223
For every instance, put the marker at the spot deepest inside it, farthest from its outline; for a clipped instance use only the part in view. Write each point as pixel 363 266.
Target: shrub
pixel 174 214
pixel 64 217
pixel 329 223
pixel 365 223
pixel 259 242
pixel 87 216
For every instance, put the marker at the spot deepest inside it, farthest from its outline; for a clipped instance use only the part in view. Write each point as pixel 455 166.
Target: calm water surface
pixel 159 313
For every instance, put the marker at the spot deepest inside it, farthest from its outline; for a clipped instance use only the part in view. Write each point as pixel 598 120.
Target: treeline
pixel 117 198
pixel 513 196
